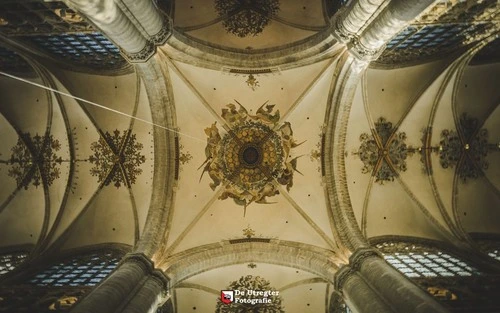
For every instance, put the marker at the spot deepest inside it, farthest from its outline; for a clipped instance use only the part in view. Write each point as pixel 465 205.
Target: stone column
pixel 134 25
pixel 348 22
pixel 147 19
pixel 369 284
pixel 106 15
pixel 134 286
pixel 395 16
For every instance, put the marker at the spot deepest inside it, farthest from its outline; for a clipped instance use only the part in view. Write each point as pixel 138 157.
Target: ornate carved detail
pixel 377 152
pixel 252 265
pixel 341 277
pixel 315 154
pixel 184 156
pixel 448 26
pixel 360 255
pixel 34 160
pixel 246 17
pixel 252 82
pixel 250 282
pixel 142 56
pixel 25 18
pixel 252 158
pixel 471 147
pixel 465 149
pixel 248 232
pixel 117 158
pixel 162 36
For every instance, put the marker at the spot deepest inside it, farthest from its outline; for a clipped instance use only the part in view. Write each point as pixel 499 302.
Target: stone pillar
pixel 134 25
pixel 133 287
pixel 147 19
pixel 395 16
pixel 348 22
pixel 369 284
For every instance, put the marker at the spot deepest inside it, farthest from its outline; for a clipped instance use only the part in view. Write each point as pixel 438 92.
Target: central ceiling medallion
pixel 253 157
pixel 246 17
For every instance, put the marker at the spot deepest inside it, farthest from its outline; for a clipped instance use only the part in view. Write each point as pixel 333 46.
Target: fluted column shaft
pixel 353 17
pixel 134 25
pixel 147 17
pixel 369 285
pixel 134 287
pixel 106 15
pixel 391 21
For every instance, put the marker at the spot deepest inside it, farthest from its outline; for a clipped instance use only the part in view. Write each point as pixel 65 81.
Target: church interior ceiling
pixel 421 144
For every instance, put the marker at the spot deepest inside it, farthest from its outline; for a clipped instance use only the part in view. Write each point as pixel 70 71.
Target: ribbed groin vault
pixel 332 156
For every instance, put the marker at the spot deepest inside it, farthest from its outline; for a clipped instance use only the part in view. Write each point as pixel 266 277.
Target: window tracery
pixel 419 261
pixel 448 26
pixel 85 270
pixel 9 261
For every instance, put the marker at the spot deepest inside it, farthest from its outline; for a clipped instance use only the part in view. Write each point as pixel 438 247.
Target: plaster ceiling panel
pixel 302 12
pixel 284 89
pixel 28 111
pixel 391 93
pixel 190 13
pixel 195 300
pixel 478 93
pixel 275 34
pixel 357 181
pixel 415 177
pixel 443 119
pixel 83 185
pixel 493 158
pixel 224 220
pixel 58 186
pixel 21 221
pixel 307 120
pixel 114 92
pixel 110 218
pixel 307 298
pixel 143 186
pixel 477 205
pixel 9 140
pixel 191 193
pixel 391 211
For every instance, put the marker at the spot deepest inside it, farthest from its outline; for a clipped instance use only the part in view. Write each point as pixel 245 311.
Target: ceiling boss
pixel 253 157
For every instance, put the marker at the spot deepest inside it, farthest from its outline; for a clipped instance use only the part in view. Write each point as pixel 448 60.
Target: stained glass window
pixel 419 261
pixel 89 49
pixel 10 261
pixel 495 253
pixel 85 270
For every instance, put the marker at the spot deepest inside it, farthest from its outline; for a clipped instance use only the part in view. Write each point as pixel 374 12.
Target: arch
pixel 189 263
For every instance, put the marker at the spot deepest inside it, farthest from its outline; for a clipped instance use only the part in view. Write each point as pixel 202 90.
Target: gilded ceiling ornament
pixel 246 17
pixel 117 158
pixel 248 232
pixel 385 154
pixel 466 149
pixel 63 303
pixel 253 157
pixel 34 160
pixel 184 156
pixel 252 82
pixel 248 284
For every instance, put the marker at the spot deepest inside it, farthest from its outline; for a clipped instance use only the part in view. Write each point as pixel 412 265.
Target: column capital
pixel 342 275
pixel 360 255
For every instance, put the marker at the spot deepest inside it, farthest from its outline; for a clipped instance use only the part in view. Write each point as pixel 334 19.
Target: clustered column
pixel 369 42
pixel 370 285
pixel 134 287
pixel 134 25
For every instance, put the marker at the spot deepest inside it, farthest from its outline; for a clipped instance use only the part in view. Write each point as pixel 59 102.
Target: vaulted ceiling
pixel 415 153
